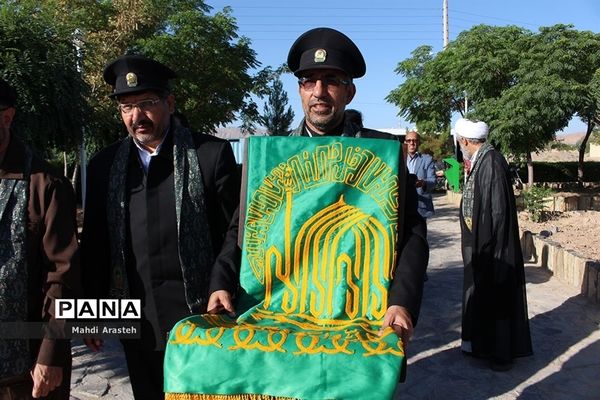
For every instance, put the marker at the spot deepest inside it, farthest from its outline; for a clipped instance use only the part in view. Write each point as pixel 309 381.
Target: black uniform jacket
pixel 161 289
pixel 495 317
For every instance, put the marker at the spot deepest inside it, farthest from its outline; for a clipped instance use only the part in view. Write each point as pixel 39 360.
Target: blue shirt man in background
pixel 422 166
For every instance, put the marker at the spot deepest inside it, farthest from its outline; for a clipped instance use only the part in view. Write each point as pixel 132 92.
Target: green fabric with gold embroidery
pixel 318 256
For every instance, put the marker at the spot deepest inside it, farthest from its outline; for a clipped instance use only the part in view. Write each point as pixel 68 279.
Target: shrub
pixel 533 199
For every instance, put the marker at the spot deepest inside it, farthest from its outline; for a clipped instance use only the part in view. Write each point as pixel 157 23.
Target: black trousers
pixel 145 371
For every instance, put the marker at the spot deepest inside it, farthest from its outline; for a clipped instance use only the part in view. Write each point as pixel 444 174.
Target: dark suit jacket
pixel 221 189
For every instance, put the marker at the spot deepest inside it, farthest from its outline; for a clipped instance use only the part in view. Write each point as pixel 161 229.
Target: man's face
pixel 325 94
pixel 465 148
pixel 146 116
pixel 412 143
pixel 6 117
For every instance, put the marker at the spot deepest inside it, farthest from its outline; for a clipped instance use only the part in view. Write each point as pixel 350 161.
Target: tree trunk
pixel 65 169
pixel 529 170
pixel 74 176
pixel 590 127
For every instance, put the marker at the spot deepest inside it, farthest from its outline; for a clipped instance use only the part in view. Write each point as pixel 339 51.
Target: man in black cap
pixel 39 262
pixel 158 206
pixel 325 62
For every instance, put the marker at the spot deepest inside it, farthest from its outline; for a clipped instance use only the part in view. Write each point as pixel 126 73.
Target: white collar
pixel 145 155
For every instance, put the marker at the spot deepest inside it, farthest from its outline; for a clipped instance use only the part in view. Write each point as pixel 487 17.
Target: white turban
pixel 471 130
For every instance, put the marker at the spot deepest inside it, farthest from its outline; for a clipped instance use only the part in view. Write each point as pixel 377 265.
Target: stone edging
pixel 566 265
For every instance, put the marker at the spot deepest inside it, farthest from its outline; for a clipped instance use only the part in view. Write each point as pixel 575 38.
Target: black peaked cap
pixel 135 73
pixel 326 48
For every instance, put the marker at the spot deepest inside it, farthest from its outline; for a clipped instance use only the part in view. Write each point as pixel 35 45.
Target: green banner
pixel 318 256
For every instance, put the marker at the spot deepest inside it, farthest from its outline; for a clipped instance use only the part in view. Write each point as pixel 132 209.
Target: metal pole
pixel 445 22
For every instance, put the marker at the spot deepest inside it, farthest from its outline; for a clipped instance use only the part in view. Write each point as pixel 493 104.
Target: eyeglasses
pixel 310 83
pixel 143 106
pixel 411 141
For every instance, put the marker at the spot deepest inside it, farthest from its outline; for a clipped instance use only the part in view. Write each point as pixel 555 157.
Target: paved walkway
pixel 565 332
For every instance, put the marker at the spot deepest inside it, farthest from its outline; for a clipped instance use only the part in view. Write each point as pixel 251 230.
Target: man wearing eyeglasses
pixel 39 262
pixel 421 165
pixel 422 168
pixel 157 209
pixel 326 62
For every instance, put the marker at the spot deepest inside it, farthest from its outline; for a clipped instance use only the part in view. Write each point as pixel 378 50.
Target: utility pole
pixel 445 21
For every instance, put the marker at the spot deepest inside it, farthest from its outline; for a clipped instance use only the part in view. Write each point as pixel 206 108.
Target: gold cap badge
pixel 320 55
pixel 131 79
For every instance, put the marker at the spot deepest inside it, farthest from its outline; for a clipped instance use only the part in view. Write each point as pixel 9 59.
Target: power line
pixel 346 24
pixel 335 8
pixel 496 18
pixel 362 16
pixel 346 31
pixel 379 25
pixel 356 39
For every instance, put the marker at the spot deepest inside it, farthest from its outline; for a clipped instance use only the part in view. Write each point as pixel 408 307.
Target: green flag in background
pixel 318 256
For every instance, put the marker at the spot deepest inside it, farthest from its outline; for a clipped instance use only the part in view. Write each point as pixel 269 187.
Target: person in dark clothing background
pixel 495 323
pixel 39 263
pixel 355 117
pixel 158 206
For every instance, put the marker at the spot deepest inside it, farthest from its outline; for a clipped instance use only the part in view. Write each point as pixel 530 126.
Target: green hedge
pixel 565 171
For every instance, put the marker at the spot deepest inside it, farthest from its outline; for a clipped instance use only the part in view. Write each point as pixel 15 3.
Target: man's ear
pixel 7 116
pixel 351 92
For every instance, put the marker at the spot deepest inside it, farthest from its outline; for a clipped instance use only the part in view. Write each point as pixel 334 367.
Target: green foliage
pixel 534 198
pixel 43 43
pixel 560 146
pixel 580 143
pixel 424 98
pixel 38 58
pixel 550 85
pixel 595 137
pixel 525 85
pixel 439 146
pixel 275 117
pixel 213 80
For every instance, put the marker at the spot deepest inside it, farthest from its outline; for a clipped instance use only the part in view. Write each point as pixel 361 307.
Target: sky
pixel 387 32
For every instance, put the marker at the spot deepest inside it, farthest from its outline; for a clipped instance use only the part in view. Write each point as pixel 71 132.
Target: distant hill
pixel 570 138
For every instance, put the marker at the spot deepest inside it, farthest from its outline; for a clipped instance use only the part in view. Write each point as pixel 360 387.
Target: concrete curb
pixel 566 265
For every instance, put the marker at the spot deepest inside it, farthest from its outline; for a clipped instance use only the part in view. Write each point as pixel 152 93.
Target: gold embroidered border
pixel 193 396
pixel 308 342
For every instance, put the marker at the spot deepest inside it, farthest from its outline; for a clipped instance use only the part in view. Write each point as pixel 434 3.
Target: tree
pixel 424 98
pixel 568 59
pixel 589 112
pixel 39 59
pixel 214 82
pixel 214 85
pixel 275 117
pixel 526 86
pixel 439 146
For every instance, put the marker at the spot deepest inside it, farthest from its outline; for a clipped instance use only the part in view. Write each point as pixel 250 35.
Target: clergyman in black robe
pixel 495 323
